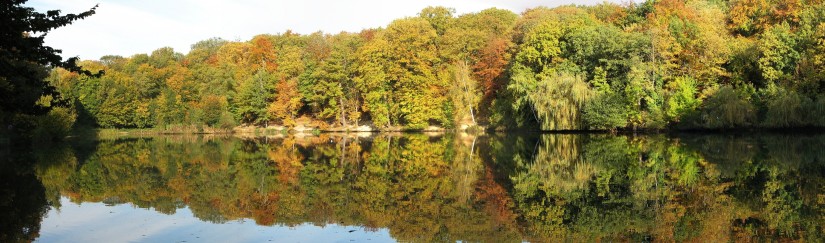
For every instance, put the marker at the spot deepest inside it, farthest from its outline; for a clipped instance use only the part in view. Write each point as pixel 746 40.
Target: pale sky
pixel 128 27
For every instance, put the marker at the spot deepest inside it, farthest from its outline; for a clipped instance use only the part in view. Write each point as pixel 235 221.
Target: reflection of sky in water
pixel 96 222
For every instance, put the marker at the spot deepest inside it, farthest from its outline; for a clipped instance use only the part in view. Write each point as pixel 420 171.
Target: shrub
pixel 213 108
pixel 727 108
pixel 681 99
pixel 227 121
pixel 606 111
pixel 55 125
pixel 815 111
pixel 784 109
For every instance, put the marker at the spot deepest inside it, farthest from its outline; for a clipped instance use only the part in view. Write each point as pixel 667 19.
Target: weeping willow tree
pixel 558 102
pixel 726 108
pixel 783 108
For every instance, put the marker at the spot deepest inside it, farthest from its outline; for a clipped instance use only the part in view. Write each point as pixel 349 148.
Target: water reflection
pixel 453 187
pixel 22 197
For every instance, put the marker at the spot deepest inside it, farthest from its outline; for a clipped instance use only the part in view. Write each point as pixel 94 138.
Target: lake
pixel 417 188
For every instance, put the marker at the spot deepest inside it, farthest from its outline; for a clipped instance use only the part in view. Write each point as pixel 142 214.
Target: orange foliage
pixel 497 200
pixel 262 54
pixel 754 16
pixel 491 65
pixel 288 160
pixel 287 102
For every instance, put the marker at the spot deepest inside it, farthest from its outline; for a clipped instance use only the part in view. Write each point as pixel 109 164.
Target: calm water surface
pixel 417 188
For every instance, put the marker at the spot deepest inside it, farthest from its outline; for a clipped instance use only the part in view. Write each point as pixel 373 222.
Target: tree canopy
pixel 681 64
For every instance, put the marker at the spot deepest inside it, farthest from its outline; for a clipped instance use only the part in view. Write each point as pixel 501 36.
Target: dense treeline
pixel 464 188
pixel 651 65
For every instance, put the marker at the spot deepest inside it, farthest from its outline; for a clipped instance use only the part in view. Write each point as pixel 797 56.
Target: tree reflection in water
pixel 455 186
pixel 22 197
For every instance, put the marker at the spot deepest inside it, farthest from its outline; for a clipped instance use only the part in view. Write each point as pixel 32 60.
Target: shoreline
pixel 307 131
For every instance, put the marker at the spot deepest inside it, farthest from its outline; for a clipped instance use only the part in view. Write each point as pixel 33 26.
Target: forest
pixel 668 64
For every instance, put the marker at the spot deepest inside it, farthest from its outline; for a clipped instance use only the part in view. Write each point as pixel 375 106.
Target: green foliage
pixel 55 125
pixel 170 111
pixel 252 98
pixel 411 70
pixel 118 110
pixel 605 111
pixel 465 95
pixel 227 121
pixel 778 57
pixel 371 81
pixel 540 48
pixel 727 108
pixel 744 63
pixel 784 108
pixel 558 102
pixel 815 110
pixel 439 17
pixel 604 50
pixel 681 100
pixel 333 95
pixel 643 96
pixel 214 108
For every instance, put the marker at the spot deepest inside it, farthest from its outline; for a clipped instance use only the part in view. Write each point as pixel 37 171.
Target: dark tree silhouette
pixel 25 60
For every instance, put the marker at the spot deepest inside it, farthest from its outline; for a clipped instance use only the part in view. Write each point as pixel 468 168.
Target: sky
pixel 128 27
pixel 93 222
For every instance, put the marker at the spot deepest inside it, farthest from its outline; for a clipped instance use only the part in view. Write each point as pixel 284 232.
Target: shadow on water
pixel 22 197
pixel 447 187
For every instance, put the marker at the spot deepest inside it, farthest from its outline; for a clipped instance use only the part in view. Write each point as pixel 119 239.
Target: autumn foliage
pixel 603 67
